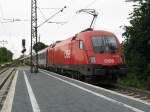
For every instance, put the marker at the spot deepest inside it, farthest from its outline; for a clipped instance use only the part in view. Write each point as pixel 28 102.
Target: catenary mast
pixel 34 36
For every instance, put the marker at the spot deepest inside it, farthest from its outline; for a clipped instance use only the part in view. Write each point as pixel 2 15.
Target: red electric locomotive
pixel 89 54
pixel 92 54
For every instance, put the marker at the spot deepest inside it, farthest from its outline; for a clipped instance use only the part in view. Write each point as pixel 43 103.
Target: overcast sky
pixel 112 15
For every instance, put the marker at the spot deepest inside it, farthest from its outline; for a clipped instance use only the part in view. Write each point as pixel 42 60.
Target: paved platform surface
pixel 50 92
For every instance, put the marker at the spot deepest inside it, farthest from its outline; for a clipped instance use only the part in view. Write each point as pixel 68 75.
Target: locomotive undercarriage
pixel 91 73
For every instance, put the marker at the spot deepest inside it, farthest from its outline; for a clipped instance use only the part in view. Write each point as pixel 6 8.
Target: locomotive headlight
pixel 92 59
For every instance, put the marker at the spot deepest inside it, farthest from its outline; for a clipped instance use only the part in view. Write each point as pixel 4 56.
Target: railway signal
pixel 23 51
pixel 23 45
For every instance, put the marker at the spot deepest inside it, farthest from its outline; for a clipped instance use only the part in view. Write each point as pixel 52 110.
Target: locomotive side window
pixel 104 44
pixel 81 44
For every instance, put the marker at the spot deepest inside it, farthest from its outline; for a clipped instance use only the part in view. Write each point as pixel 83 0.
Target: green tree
pixel 5 55
pixel 39 46
pixel 137 45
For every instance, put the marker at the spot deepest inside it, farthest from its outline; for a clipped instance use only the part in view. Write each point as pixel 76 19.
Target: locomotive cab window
pixel 81 44
pixel 104 44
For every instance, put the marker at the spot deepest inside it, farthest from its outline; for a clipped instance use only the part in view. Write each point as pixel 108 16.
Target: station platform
pixel 50 92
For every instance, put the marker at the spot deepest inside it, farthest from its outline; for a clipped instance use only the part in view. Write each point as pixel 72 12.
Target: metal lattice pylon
pixel 34 57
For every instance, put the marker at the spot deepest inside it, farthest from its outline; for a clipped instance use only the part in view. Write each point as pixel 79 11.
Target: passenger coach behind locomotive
pixel 90 53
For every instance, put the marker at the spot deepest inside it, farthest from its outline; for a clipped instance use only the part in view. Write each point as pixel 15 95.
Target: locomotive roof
pixel 86 31
pixel 97 31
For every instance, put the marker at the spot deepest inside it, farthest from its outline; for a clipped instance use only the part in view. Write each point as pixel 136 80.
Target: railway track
pixel 6 78
pixel 3 70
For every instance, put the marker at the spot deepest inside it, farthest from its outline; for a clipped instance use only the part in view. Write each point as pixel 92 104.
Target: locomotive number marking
pixel 67 54
pixel 108 60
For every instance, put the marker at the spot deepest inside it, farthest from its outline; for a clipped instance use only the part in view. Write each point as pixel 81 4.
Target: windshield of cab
pixel 104 44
